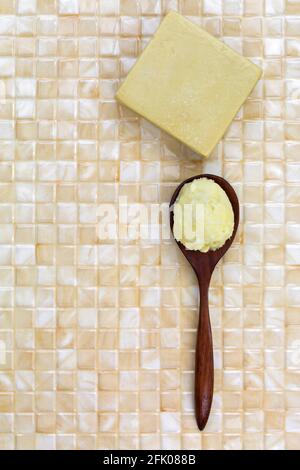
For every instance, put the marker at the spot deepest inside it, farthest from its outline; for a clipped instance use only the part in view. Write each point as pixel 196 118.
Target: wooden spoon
pixel 203 265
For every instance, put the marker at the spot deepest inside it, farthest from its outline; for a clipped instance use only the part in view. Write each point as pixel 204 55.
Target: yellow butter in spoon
pixel 203 216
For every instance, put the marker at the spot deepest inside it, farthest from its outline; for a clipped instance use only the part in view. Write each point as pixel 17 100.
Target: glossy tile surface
pixel 99 337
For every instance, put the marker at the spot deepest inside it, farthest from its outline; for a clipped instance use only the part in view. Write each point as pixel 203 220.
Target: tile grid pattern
pixel 100 336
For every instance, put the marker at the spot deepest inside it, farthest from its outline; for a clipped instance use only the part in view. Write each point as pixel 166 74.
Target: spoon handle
pixel 204 367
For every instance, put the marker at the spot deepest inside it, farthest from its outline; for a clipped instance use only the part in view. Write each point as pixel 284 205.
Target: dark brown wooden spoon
pixel 203 265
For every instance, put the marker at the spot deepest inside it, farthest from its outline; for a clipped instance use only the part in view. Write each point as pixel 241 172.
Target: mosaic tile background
pixel 100 336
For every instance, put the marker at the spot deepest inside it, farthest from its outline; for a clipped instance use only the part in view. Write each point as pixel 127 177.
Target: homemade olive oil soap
pixel 188 83
pixel 203 216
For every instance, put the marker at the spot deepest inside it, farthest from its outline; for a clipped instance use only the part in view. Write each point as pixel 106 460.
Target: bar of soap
pixel 188 83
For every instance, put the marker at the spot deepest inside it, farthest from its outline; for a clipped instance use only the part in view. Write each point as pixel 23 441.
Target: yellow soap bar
pixel 188 83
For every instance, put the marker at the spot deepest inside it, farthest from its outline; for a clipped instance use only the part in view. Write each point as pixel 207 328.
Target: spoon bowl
pixel 203 265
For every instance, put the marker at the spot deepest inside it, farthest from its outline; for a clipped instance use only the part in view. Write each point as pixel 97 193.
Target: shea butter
pixel 203 215
pixel 188 83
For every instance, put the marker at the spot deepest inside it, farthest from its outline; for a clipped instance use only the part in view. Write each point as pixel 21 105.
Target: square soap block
pixel 188 83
